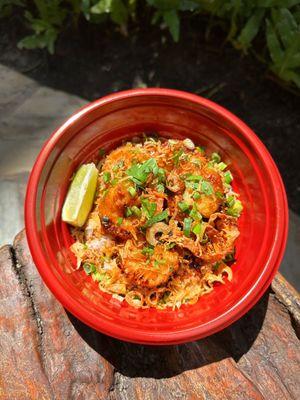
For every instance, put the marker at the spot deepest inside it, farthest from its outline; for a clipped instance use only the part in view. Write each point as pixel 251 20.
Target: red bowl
pixel 105 123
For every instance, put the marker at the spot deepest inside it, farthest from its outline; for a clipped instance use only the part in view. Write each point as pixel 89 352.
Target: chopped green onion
pixel 236 209
pixel 184 207
pixel 170 245
pixel 136 211
pixel 156 218
pixel 221 166
pixel 101 152
pixel 228 177
pixel 201 149
pixel 193 178
pixel 229 257
pixel 197 229
pixel 204 239
pixel 106 177
pixel 215 157
pixel 195 214
pixel 98 277
pixel 219 195
pixel 128 212
pixel 119 221
pixel 147 251
pixel 206 188
pixel 230 200
pixel 216 266
pixel 160 188
pixel 132 191
pixel 177 156
pixel 89 268
pixel 187 224
pixel 114 181
pixel 196 196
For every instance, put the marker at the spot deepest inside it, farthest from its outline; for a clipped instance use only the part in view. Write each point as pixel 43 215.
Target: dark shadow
pixel 135 360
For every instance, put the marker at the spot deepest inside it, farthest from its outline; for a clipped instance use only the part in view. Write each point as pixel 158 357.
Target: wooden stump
pixel 47 353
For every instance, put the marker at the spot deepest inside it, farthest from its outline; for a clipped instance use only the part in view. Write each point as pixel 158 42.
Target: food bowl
pixel 105 123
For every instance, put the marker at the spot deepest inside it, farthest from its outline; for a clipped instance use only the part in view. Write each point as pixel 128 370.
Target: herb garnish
pixel 156 218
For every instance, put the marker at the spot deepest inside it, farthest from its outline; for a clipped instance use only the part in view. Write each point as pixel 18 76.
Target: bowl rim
pixel 110 328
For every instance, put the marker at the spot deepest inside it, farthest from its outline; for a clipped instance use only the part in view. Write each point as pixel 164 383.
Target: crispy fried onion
pixel 222 231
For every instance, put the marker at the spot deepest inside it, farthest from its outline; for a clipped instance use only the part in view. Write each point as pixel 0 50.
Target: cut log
pixel 47 353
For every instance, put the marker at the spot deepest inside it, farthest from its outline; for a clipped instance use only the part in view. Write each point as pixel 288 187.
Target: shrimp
pixel 222 231
pixel 149 271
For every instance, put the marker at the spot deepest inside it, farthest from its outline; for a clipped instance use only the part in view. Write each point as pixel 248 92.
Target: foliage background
pixel 270 29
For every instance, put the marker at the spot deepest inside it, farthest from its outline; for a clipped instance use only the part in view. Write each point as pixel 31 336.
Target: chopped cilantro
pixel 148 208
pixel 140 172
pixel 156 218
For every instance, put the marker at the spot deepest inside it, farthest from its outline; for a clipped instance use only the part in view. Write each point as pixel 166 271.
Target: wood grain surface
pixel 46 353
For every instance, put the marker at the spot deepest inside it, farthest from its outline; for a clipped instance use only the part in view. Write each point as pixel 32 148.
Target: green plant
pixel 270 27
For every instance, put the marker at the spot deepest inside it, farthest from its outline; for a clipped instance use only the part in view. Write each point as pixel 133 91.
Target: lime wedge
pixel 80 197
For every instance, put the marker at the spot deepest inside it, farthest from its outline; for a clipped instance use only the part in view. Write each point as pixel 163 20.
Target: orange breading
pixel 148 272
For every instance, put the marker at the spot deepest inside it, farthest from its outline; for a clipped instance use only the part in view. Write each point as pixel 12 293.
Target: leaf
pixel 164 5
pixel 116 8
pixel 251 29
pixel 277 3
pixel 291 76
pixel 188 5
pixel 102 7
pixel 156 218
pixel 273 43
pixel 140 172
pixel 119 13
pixel 285 25
pixel 148 208
pixel 45 40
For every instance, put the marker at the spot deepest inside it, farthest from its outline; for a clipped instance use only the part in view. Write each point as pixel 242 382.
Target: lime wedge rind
pixel 80 196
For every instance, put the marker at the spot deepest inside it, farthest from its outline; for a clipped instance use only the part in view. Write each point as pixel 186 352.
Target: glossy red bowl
pixel 105 123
